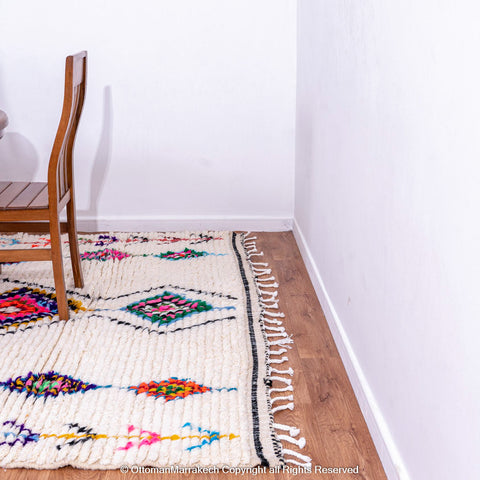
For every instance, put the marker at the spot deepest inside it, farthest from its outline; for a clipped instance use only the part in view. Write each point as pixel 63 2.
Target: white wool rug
pixel 173 356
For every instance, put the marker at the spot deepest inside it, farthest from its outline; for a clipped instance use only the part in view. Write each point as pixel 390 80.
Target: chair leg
pixel 73 239
pixel 57 262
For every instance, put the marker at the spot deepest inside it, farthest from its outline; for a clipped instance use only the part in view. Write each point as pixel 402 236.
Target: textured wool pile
pixel 173 355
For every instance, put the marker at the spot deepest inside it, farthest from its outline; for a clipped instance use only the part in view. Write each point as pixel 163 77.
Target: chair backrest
pixel 60 168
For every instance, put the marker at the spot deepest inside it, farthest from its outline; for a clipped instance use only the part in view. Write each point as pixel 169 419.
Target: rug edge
pixel 277 342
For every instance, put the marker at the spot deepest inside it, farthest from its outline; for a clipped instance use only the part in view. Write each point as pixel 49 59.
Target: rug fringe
pixel 286 397
pixel 276 336
pixel 288 381
pixel 270 320
pixel 279 351
pixel 307 460
pixel 293 432
pixel 283 372
pixel 299 442
pixel 283 342
pixel 273 314
pixel 280 360
pixel 284 389
pixel 275 329
pixel 273 305
pixel 287 406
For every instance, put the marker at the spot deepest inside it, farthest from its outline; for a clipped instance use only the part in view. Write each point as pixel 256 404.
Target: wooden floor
pixel 326 409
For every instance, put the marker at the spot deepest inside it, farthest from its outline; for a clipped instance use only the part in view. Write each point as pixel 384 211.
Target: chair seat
pixel 23 195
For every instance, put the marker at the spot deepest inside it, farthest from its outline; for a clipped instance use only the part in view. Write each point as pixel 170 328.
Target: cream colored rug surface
pixel 173 354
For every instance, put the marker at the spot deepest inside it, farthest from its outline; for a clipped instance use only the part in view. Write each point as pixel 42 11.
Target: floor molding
pixel 381 436
pixel 181 223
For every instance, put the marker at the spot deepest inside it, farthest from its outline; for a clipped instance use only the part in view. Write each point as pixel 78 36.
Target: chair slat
pixel 28 195
pixel 11 193
pixel 41 201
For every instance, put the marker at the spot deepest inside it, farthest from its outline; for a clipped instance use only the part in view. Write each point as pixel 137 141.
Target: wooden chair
pixel 35 206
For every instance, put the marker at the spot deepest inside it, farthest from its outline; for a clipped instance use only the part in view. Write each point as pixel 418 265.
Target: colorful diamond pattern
pixel 48 384
pixel 25 304
pixel 187 253
pixel 170 389
pixel 167 308
pixel 104 255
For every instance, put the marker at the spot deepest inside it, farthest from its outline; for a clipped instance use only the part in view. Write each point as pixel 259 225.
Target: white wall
pixel 387 203
pixel 190 108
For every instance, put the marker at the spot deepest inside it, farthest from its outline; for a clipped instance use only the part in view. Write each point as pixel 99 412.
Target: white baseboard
pixel 173 223
pixel 382 438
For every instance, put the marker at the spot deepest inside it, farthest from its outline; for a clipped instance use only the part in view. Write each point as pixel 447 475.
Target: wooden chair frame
pixel 42 214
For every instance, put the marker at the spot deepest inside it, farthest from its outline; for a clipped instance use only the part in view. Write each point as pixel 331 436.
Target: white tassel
pixel 306 466
pixel 283 372
pixel 286 451
pixel 281 360
pixel 277 352
pixel 288 381
pixel 300 443
pixel 291 430
pixel 282 341
pixel 266 279
pixel 270 335
pixel 260 263
pixel 255 255
pixel 262 271
pixel 266 292
pixel 274 329
pixel 288 398
pixel 259 275
pixel 268 296
pixel 267 285
pixel 288 406
pixel 269 320
pixel 270 305
pixel 279 390
pixel 279 334
pixel 271 298
pixel 274 314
